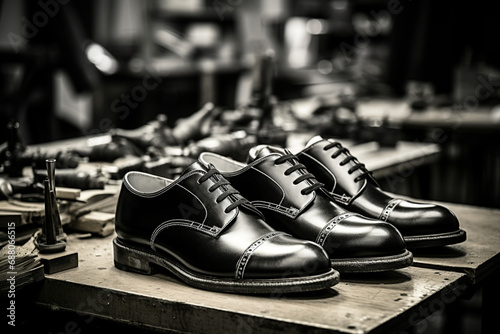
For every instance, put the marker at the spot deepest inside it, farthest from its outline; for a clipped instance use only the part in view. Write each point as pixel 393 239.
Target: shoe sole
pixel 435 240
pixel 143 262
pixel 373 264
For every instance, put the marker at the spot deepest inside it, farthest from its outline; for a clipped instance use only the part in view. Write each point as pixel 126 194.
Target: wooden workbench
pixel 479 256
pixel 370 303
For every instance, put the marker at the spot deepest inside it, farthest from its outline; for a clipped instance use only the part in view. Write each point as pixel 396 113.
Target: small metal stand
pixel 52 239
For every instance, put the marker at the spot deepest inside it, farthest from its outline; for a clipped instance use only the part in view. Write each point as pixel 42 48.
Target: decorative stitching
pixel 384 216
pixel 211 230
pixel 252 207
pixel 291 211
pixel 161 191
pixel 327 229
pixel 245 257
pixel 344 199
pixel 332 193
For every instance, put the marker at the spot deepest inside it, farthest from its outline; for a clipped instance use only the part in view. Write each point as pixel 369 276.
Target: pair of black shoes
pixel 269 225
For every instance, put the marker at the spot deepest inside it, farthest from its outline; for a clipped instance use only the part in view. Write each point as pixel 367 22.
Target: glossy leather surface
pixel 359 192
pixel 308 215
pixel 187 222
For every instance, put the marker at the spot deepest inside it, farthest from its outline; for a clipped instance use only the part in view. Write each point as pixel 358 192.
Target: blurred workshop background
pixel 368 72
pixel 362 70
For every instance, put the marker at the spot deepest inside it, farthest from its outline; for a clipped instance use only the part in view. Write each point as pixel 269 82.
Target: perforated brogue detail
pixel 384 216
pixel 245 257
pixel 329 227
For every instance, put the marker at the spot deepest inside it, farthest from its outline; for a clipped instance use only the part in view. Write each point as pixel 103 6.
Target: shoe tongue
pixel 262 151
pixel 194 167
pixel 200 166
pixel 314 140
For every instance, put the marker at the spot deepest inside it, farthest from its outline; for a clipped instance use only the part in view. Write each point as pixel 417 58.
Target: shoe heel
pixel 128 259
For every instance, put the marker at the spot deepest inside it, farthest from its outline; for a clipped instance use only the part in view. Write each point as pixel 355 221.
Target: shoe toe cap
pixel 423 219
pixel 360 237
pixel 284 256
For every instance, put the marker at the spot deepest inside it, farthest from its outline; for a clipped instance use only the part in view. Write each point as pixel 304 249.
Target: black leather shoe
pixel 202 230
pixel 292 201
pixel 351 185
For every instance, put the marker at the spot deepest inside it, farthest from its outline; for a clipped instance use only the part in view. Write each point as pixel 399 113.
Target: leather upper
pixel 203 223
pixel 341 184
pixel 359 192
pixel 305 214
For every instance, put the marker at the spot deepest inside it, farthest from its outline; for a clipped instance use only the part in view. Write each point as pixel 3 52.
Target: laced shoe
pixel 199 228
pixel 351 185
pixel 292 201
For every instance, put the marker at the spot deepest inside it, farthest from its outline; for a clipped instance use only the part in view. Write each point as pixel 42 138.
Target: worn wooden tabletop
pixel 371 303
pixel 479 256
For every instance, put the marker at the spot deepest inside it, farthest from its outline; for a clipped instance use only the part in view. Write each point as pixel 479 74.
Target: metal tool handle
pixel 51 173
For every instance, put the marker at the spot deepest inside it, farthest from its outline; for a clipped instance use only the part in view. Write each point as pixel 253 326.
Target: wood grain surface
pixel 479 255
pixel 375 303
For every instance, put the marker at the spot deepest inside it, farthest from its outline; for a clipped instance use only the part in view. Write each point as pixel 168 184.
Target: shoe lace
pixel 357 165
pixel 298 166
pixel 227 191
